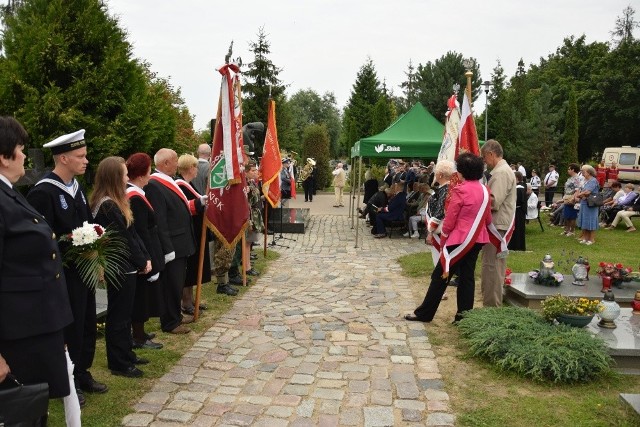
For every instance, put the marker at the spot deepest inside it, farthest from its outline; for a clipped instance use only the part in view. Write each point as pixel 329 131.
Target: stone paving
pixel 318 340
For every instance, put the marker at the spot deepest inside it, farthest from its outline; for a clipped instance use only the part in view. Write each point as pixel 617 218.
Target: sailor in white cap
pixel 59 197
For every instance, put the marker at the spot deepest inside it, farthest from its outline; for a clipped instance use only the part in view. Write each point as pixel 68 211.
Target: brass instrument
pixel 307 170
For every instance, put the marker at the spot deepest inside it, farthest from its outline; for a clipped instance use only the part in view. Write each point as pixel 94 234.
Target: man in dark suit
pixel 176 236
pixel 34 305
pixel 61 200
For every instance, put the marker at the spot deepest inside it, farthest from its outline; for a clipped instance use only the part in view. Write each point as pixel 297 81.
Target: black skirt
pixel 39 359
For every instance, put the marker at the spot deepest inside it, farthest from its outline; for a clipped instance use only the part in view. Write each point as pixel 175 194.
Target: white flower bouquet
pixel 96 253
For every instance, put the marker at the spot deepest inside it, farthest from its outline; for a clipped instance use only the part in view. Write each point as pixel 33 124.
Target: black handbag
pixel 23 405
pixel 595 200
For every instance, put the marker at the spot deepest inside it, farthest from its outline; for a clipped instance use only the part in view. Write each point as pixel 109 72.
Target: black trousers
pixel 80 336
pixel 174 276
pixel 118 325
pixel 307 185
pixel 466 285
pixel 548 195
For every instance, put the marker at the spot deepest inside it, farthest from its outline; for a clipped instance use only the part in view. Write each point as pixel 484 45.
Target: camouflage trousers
pixel 222 258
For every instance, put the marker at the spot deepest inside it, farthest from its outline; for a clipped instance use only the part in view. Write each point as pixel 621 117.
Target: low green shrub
pixel 522 341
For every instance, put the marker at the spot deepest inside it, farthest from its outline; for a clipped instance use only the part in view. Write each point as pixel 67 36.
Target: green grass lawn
pixel 108 409
pixel 482 395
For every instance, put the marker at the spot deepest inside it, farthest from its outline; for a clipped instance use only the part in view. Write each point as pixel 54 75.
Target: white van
pixel 627 159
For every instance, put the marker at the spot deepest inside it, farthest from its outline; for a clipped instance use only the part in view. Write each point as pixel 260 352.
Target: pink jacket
pixel 463 208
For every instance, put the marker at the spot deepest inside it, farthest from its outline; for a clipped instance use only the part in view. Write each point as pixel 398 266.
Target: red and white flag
pixel 227 211
pixel 468 137
pixel 271 163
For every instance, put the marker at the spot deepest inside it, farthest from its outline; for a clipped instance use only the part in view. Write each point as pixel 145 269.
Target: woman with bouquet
pixel 110 208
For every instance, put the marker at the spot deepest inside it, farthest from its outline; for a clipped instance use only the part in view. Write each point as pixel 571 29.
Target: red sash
pixel 171 185
pixel 184 185
pixel 135 191
pixel 499 241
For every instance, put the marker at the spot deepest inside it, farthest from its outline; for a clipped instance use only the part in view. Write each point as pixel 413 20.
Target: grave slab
pixel 524 292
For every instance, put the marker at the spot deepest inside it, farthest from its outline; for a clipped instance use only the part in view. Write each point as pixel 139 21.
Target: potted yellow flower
pixel 576 312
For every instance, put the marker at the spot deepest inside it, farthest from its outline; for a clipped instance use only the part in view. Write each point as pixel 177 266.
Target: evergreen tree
pixel 409 90
pixel 357 119
pixel 261 79
pixel 66 66
pixel 316 145
pixel 625 24
pixel 570 138
pixel 434 82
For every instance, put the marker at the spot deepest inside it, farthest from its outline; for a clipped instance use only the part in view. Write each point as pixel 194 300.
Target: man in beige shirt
pixel 502 185
pixel 339 180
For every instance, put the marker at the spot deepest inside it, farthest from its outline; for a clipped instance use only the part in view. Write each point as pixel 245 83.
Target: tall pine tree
pixel 357 121
pixel 261 78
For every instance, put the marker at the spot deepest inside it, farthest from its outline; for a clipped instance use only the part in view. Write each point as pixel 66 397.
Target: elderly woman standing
pixel 464 232
pixel 588 215
pixel 188 169
pixel 110 208
pixel 34 305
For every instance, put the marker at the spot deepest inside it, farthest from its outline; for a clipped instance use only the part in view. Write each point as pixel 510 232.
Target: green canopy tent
pixel 415 134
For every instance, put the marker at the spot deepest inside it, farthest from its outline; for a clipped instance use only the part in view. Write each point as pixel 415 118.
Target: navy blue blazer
pixel 33 293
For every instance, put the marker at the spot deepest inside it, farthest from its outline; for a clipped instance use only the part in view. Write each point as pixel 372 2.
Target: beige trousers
pixel 338 193
pixel 493 274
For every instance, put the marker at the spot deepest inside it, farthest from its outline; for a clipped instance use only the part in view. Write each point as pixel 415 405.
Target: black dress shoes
pixel 81 399
pixel 148 344
pixel 130 372
pixel 149 336
pixel 89 385
pixel 253 257
pixel 252 272
pixel 227 290
pixel 140 361
pixel 414 318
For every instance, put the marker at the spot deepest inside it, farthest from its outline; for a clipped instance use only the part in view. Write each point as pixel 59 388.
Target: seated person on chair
pixel 624 201
pixel 421 212
pixel 412 200
pixel 532 204
pixel 394 210
pixel 378 200
pixel 626 214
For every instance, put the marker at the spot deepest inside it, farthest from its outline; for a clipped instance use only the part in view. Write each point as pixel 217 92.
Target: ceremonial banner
pixel 468 138
pixel 448 150
pixel 227 211
pixel 271 163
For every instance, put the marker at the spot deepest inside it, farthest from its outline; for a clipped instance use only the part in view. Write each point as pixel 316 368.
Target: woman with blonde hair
pixel 110 208
pixel 188 170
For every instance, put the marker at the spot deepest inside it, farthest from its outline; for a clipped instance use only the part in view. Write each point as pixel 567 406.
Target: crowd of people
pixel 444 209
pixel 46 306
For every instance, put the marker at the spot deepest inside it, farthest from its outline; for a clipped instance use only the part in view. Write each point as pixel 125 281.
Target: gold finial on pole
pixel 468 65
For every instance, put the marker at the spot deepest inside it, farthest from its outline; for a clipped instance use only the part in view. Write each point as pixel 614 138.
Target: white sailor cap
pixel 68 142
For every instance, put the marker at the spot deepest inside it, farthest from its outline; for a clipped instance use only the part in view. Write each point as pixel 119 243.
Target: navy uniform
pixel 34 306
pixel 65 208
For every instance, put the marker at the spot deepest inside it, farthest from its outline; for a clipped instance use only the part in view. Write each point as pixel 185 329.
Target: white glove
pixel 203 199
pixel 153 278
pixel 169 257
